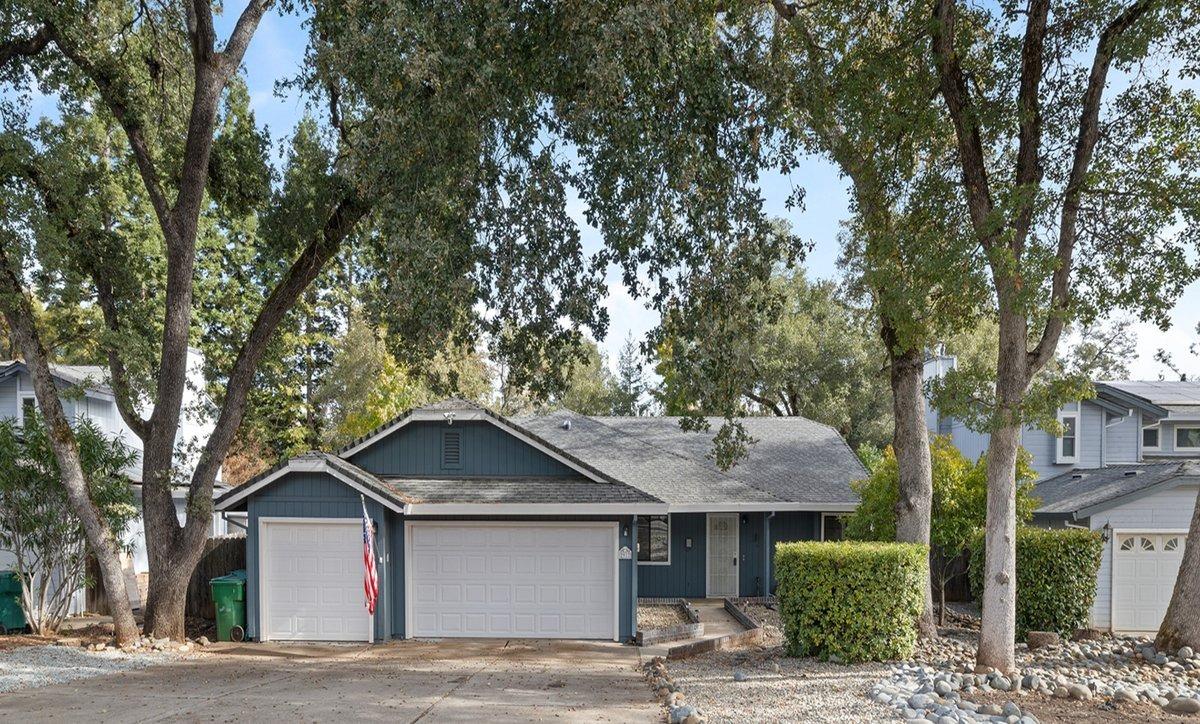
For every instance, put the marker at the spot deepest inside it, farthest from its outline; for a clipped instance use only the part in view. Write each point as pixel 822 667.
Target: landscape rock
pixel 1183 705
pixel 1079 692
pixel 1042 639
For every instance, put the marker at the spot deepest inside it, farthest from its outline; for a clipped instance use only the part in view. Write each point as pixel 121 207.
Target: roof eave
pixel 1127 400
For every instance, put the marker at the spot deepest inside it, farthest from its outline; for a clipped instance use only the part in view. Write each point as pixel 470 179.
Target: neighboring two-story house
pixel 1127 464
pixel 85 393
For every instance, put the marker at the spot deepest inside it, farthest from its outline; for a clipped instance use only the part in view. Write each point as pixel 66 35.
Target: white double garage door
pixel 476 579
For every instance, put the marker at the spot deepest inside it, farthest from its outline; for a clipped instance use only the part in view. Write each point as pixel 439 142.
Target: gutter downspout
pixel 766 586
pixel 225 517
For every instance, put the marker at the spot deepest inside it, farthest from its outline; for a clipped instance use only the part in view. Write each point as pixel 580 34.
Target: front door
pixel 722 555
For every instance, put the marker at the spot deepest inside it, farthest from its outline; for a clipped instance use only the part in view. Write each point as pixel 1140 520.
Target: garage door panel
pixel 1144 569
pixel 513 580
pixel 312 581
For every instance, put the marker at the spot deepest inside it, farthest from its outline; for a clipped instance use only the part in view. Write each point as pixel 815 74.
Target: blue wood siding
pixel 311 495
pixel 685 576
pixel 416 449
pixel 318 495
pixel 750 554
pixel 791 526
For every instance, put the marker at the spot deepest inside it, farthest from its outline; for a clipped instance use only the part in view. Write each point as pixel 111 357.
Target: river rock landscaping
pixel 34 666
pixel 1108 673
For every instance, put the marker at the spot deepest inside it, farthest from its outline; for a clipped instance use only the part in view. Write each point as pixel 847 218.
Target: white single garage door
pixel 524 580
pixel 1144 569
pixel 312 581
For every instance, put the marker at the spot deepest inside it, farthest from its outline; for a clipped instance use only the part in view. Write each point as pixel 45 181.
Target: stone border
pixel 691 630
pixel 752 634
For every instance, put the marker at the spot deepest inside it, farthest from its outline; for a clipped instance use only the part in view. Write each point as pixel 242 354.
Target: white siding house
pixel 1125 467
pixel 91 398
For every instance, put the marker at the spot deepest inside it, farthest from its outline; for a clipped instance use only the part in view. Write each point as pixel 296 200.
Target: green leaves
pixel 855 601
pixel 1056 577
pixel 959 497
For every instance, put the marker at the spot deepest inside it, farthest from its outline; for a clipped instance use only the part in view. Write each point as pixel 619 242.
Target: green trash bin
pixel 12 616
pixel 229 598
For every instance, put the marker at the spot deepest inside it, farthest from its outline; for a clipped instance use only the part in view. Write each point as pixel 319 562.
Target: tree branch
pixel 114 98
pixel 1029 171
pixel 119 377
pixel 25 46
pixel 303 271
pixel 1085 146
pixel 765 402
pixel 953 84
pixel 239 39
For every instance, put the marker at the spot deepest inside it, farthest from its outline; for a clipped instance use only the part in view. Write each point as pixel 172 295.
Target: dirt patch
pixel 654 616
pixel 1050 709
pixel 73 635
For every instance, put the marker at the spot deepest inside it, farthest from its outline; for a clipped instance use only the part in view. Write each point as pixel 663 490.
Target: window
pixel 831 526
pixel 1127 544
pixel 28 407
pixel 654 539
pixel 451 449
pixel 1172 544
pixel 1150 437
pixel 1187 438
pixel 1147 544
pixel 1068 441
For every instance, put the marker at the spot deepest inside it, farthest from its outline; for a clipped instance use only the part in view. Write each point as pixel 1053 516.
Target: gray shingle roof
pixel 795 460
pixel 1167 393
pixel 92 377
pixel 1081 489
pixel 515 490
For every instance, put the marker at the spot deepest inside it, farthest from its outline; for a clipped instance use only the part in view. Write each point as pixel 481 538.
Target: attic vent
pixel 451 449
pixel 1077 476
pixel 566 424
pixel 1131 473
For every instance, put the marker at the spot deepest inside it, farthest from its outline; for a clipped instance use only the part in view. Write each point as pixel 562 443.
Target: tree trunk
pixel 105 546
pixel 1181 625
pixel 911 445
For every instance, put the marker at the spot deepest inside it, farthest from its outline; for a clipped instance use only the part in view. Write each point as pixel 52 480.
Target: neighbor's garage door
pixel 1144 569
pixel 312 575
pixel 522 580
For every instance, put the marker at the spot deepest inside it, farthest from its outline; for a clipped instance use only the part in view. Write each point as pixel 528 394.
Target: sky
pixel 277 52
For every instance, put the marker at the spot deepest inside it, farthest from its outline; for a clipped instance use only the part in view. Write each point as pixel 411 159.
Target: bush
pixel 1056 577
pixel 853 601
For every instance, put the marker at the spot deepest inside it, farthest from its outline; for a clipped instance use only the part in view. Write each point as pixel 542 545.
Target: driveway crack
pixel 487 664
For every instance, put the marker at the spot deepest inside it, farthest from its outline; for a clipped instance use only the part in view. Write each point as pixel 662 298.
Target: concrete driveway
pixel 452 680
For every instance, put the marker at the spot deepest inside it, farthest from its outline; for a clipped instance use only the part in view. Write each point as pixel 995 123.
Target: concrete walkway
pixel 429 681
pixel 717 623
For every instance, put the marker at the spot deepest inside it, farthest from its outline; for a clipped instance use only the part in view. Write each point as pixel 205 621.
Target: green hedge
pixel 1056 577
pixel 852 601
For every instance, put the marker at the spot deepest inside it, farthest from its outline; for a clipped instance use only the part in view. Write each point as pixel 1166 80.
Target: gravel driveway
pixel 779 689
pixel 33 666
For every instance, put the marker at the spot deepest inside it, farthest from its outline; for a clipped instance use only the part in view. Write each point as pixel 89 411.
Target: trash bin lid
pixel 238 576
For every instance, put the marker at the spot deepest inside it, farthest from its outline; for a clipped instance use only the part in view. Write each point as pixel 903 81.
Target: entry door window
pixel 722 554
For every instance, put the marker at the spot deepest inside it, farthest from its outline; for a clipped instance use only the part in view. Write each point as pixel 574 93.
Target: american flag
pixel 370 575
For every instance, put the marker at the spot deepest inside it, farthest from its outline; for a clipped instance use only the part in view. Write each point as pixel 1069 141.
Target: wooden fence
pixel 222 555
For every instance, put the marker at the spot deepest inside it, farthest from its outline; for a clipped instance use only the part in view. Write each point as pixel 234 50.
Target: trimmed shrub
pixel 852 601
pixel 1056 577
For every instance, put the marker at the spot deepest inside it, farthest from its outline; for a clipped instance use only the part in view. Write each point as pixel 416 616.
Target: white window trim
pixel 1176 430
pixel 1156 448
pixel 655 563
pixel 824 517
pixel 1058 440
pixel 21 397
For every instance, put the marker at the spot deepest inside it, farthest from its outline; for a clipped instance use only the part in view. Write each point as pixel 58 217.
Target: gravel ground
pixel 778 689
pixel 34 666
pixel 659 616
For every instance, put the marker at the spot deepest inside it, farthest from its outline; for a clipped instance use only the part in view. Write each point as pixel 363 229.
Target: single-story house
pixel 543 526
pixel 1143 512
